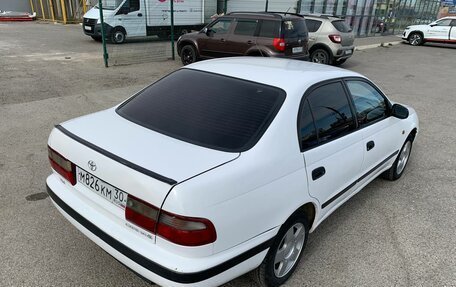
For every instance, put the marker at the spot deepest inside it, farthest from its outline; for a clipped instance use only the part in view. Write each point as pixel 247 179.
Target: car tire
pixel 321 56
pixel 287 248
pixel 118 36
pixel 398 167
pixel 415 39
pixel 188 55
pixel 96 38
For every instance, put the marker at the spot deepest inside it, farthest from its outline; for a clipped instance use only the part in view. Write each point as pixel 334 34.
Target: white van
pixel 126 19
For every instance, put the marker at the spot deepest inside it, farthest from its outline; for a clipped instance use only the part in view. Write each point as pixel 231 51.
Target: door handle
pixel 249 42
pixel 222 40
pixel 139 14
pixel 370 145
pixel 318 172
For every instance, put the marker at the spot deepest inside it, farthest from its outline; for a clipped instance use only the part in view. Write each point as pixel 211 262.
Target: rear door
pixel 453 31
pixel 313 26
pixel 243 37
pixel 332 146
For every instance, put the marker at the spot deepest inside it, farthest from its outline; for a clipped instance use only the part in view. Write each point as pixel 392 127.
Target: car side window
pixel 269 29
pixel 246 27
pixel 307 131
pixel 313 25
pixel 453 23
pixel 222 26
pixel 445 22
pixel 132 5
pixel 331 112
pixel 370 105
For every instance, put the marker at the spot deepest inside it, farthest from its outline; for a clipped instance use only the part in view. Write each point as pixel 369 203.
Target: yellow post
pixel 42 10
pixel 31 5
pixel 62 2
pixel 51 10
pixel 84 7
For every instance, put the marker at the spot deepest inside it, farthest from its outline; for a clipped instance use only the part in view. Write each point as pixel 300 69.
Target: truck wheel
pixel 415 39
pixel 188 55
pixel 284 254
pixel 118 36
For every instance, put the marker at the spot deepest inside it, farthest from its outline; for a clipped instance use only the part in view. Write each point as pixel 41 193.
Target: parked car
pixel 330 39
pixel 266 34
pixel 201 186
pixel 440 31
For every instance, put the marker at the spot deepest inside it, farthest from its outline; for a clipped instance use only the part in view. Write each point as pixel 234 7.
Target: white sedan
pixel 225 166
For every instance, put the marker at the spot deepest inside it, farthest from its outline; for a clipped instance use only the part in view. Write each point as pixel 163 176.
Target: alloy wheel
pixel 290 248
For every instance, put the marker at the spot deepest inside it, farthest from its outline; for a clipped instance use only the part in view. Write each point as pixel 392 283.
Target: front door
pixel 332 146
pixel 382 135
pixel 243 37
pixel 213 44
pixel 439 31
pixel 132 18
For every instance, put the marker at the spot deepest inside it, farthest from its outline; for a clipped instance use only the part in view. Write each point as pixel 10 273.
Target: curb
pixel 382 44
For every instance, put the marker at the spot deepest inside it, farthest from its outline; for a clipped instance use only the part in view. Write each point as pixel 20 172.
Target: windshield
pixel 206 109
pixel 110 4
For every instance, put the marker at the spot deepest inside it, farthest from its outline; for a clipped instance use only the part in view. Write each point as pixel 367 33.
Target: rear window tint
pixel 245 27
pixel 269 29
pixel 294 28
pixel 206 109
pixel 341 26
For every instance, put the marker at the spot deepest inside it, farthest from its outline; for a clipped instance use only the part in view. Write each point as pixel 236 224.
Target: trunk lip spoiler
pixel 119 159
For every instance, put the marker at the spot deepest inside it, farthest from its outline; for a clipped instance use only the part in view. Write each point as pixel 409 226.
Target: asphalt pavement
pixel 390 234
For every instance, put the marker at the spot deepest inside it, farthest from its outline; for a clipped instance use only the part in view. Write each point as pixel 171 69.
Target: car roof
pixel 264 15
pixel 293 76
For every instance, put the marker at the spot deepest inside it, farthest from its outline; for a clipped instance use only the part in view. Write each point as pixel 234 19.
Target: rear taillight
pixel 182 230
pixel 335 38
pixel 279 44
pixel 62 166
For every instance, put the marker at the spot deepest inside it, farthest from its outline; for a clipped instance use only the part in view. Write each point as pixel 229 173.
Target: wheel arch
pixel 183 43
pixel 118 28
pixel 321 46
pixel 414 32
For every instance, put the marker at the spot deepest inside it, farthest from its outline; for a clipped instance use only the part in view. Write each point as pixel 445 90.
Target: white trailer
pixel 139 18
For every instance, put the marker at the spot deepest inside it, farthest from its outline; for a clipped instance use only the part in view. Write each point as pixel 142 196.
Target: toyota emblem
pixel 92 165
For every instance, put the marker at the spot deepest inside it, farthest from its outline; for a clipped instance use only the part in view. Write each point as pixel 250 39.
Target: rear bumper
pixel 344 53
pixel 218 271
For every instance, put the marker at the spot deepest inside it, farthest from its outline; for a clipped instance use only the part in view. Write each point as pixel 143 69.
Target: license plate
pixel 297 50
pixel 88 28
pixel 103 189
pixel 348 52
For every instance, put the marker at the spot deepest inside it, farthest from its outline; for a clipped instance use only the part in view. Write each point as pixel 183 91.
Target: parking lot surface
pixel 390 234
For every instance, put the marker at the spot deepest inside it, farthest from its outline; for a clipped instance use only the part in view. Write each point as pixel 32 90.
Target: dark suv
pixel 267 34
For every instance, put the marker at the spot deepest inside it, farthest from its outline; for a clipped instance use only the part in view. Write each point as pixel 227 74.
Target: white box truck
pixel 126 19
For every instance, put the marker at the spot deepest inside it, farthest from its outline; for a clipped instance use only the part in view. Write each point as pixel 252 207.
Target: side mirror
pixel 399 111
pixel 204 30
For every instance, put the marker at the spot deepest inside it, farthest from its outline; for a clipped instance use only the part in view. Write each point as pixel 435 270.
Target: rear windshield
pixel 295 28
pixel 206 109
pixel 341 26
